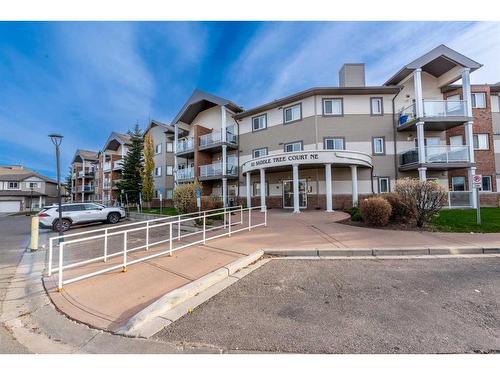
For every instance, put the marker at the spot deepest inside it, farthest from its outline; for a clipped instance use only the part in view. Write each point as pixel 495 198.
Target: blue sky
pixel 86 79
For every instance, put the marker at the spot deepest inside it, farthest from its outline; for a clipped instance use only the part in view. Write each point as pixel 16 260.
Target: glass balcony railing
pixel 216 137
pixel 118 165
pixel 106 166
pixel 437 154
pixel 184 145
pixel 215 170
pixel 185 174
pixel 434 108
pixel 458 199
pixel 85 188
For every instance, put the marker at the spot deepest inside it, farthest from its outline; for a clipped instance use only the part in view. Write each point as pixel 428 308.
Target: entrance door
pixel 288 193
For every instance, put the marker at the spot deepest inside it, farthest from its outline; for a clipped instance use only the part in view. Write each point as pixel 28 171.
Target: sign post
pixel 161 208
pixel 477 182
pixel 198 198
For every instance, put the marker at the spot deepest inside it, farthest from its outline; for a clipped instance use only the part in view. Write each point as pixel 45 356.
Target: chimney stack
pixel 352 75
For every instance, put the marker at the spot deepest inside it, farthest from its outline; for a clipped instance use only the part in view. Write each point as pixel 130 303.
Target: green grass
pixel 168 211
pixel 464 221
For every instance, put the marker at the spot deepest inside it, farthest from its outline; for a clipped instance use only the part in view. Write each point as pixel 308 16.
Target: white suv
pixel 79 213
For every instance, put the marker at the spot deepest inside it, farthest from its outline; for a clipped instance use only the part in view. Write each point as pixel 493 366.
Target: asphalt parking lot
pixel 440 305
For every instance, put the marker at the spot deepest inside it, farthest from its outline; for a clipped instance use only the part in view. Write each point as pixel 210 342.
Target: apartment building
pixel 23 189
pixel 164 160
pixel 326 147
pixel 95 173
pixel 83 167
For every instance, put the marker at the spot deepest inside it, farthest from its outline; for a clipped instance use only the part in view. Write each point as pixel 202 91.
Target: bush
pixel 375 211
pixel 184 197
pixel 354 212
pixel 422 198
pixel 400 212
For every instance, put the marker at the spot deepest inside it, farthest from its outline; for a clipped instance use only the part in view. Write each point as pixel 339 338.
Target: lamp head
pixel 56 138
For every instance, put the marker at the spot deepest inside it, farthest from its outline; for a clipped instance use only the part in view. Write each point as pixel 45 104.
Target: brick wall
pixel 485 159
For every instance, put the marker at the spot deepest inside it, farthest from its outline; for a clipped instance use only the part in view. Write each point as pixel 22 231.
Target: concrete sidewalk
pixel 110 300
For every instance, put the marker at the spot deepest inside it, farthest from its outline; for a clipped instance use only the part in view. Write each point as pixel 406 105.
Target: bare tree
pixel 422 198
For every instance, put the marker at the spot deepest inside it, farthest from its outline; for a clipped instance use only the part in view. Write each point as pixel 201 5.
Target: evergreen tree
pixel 131 181
pixel 147 171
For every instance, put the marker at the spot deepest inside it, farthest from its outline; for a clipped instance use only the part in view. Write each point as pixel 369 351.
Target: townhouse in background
pixel 325 147
pixel 95 173
pixel 23 189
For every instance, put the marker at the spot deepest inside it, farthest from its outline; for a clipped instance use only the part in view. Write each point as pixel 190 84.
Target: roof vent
pixel 352 75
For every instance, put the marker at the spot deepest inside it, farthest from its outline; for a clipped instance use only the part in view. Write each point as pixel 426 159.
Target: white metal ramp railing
pixel 197 228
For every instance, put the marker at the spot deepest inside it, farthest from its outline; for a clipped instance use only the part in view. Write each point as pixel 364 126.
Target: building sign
pixel 477 180
pixel 339 157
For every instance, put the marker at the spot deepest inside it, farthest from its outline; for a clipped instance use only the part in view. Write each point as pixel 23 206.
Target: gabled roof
pixel 24 176
pixel 365 90
pixel 435 62
pixel 200 101
pixel 115 137
pixel 85 154
pixel 154 123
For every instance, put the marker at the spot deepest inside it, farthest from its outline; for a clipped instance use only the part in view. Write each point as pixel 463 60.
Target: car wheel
pixel 66 224
pixel 113 218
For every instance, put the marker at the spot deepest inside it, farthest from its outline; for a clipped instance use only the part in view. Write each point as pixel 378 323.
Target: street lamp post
pixel 56 140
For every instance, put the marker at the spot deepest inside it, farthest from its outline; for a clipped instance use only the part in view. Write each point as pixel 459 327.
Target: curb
pixel 177 296
pixel 363 252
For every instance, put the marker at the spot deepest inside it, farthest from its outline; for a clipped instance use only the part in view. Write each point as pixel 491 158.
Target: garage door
pixel 10 206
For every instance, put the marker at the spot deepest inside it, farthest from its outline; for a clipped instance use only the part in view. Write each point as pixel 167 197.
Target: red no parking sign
pixel 476 180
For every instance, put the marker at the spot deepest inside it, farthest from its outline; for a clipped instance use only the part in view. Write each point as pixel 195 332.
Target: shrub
pixel 184 197
pixel 354 212
pixel 375 211
pixel 400 212
pixel 422 198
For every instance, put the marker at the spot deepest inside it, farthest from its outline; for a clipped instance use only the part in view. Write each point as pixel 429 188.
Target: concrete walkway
pixel 109 300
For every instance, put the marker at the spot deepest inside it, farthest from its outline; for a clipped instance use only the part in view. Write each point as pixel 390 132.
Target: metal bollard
pixel 34 233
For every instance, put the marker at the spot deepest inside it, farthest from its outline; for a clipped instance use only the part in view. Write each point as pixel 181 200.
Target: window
pixel 91 207
pixel 170 193
pixel 170 170
pixel 456 140
pixel 486 183
pixel 293 147
pixel 376 106
pixel 384 185
pixel 293 113
pixel 256 189
pixel 170 147
pixel 158 171
pixel 259 122
pixel 378 146
pixel 458 183
pixel 157 194
pixel 334 143
pixel 257 153
pixel 158 148
pixel 13 185
pixel 333 107
pixel 478 100
pixel 481 142
pixel 32 185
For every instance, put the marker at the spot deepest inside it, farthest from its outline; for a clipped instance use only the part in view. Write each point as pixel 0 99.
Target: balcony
pixel 185 174
pixel 87 173
pixel 185 146
pixel 106 167
pixel 215 171
pixel 118 165
pixel 86 189
pixel 437 114
pixel 459 199
pixel 436 157
pixel 213 140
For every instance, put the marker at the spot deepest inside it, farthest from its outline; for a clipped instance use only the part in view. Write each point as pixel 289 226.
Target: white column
pixel 417 79
pixel 469 135
pixel 83 180
pixel 263 189
pixel 249 187
pixel 40 201
pixel 354 178
pixel 224 191
pixel 466 91
pixel 176 139
pixel 328 181
pixel 296 202
pixel 422 171
pixel 471 172
pixel 102 182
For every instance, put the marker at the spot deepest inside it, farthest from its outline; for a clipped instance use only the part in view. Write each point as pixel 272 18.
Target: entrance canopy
pixel 304 159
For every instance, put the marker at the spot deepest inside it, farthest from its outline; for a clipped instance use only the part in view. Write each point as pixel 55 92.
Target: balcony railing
pixel 216 137
pixel 215 169
pixel 184 145
pixel 106 166
pixel 458 199
pixel 86 173
pixel 86 188
pixel 434 108
pixel 437 154
pixel 185 174
pixel 118 165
